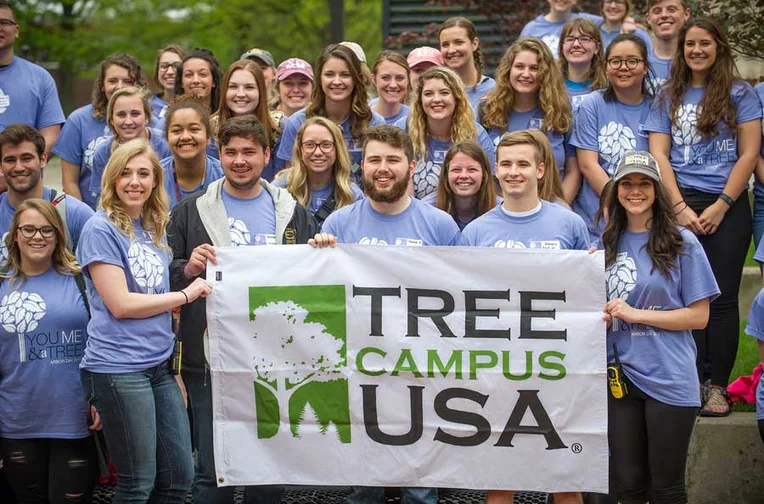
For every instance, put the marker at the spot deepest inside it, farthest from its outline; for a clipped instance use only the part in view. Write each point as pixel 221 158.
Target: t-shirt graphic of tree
pixel 615 139
pixel 426 175
pixel 621 277
pixel 146 266
pixel 552 41
pixel 21 313
pixel 240 236
pixel 299 353
pixel 3 249
pixel 685 130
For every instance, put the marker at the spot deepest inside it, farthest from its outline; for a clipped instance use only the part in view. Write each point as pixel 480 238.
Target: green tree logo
pixel 300 378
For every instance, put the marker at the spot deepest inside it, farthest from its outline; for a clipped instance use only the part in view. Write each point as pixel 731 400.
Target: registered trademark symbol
pixel 577 448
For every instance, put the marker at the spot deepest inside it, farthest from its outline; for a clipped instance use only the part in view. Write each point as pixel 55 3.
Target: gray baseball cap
pixel 637 162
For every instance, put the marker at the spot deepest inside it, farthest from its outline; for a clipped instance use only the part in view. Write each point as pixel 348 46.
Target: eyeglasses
pixel 325 147
pixel 583 39
pixel 8 22
pixel 30 231
pixel 163 67
pixel 631 63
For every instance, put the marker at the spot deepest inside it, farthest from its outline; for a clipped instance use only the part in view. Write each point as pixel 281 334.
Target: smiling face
pixel 457 48
pixel 168 69
pixel 700 50
pixel 116 77
pixel 8 32
pixel 294 91
pixel 465 175
pixel 40 247
pixel 667 18
pixel 242 96
pixel 386 172
pixel 621 77
pixel 337 80
pixel 22 167
pixel 243 161
pixel 438 100
pixel 197 77
pixel 321 158
pixel 614 10
pixel 579 48
pixel 128 118
pixel 636 193
pixel 518 171
pixel 135 183
pixel 187 135
pixel 561 6
pixel 524 74
pixel 392 82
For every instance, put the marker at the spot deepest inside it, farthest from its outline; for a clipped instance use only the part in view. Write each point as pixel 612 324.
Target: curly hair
pixel 596 73
pixel 262 111
pixel 188 101
pixel 63 261
pixel 360 112
pixel 217 74
pixel 155 216
pixel 664 243
pixel 552 97
pixel 609 94
pixel 299 174
pixel 477 55
pixel 462 121
pixel 486 195
pixel 98 97
pixel 716 105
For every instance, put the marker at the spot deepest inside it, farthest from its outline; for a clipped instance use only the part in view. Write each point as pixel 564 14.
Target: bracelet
pixel 682 209
pixel 727 199
pixel 678 203
pixel 184 295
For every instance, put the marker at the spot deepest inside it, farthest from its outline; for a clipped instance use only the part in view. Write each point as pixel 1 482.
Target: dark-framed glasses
pixel 30 231
pixel 325 147
pixel 631 63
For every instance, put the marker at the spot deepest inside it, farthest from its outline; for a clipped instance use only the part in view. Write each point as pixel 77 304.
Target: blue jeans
pixel 205 489
pixel 147 433
pixel 758 219
pixel 409 495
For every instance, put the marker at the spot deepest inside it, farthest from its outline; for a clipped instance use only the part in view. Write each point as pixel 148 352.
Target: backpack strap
pixel 79 279
pixel 58 200
pixel 325 210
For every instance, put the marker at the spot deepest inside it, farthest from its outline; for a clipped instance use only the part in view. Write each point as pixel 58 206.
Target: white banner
pixel 409 366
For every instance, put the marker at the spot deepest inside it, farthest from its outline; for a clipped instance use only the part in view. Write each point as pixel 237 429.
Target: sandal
pixel 717 403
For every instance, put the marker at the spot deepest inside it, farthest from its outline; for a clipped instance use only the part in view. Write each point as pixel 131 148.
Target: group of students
pixel 586 138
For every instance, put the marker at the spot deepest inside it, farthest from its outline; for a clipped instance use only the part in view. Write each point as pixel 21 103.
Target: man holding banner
pixel 523 221
pixel 241 209
pixel 389 216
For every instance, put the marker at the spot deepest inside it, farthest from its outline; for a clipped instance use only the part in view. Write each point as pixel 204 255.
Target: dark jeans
pixel 648 441
pixel 726 250
pixel 146 429
pixel 376 495
pixel 54 471
pixel 205 488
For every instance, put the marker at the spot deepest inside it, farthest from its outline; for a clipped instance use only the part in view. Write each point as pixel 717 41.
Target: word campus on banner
pixel 409 366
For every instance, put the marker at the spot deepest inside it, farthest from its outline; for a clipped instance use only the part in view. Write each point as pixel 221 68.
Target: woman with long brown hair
pixel 705 133
pixel 466 189
pixel 659 286
pixel 339 95
pixel 165 73
pixel 582 59
pixel 530 94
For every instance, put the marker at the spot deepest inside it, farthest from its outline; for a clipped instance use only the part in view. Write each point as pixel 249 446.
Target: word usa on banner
pixel 409 366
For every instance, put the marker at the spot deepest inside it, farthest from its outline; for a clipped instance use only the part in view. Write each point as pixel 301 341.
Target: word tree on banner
pixel 409 366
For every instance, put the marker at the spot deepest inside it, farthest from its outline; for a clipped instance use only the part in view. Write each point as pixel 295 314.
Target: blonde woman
pixel 530 94
pixel 42 409
pixel 392 80
pixel 440 116
pixel 319 178
pixel 125 371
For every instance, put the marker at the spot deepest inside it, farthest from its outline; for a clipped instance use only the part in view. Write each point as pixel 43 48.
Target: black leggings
pixel 648 448
pixel 726 250
pixel 50 470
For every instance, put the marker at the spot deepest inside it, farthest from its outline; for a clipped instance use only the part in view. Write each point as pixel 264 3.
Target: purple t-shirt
pixel 251 221
pixel 131 344
pixel 28 95
pixel 80 137
pixel 42 340
pixel 703 163
pixel 318 196
pixel 758 187
pixel 175 193
pixel 549 32
pixel 420 224
pixel 660 362
pixel 609 128
pixel 755 328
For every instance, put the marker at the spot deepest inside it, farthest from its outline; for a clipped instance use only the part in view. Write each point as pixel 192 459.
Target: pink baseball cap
pixel 424 54
pixel 294 66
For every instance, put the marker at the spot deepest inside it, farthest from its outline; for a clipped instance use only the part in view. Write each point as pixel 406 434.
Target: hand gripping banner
pixel 409 366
